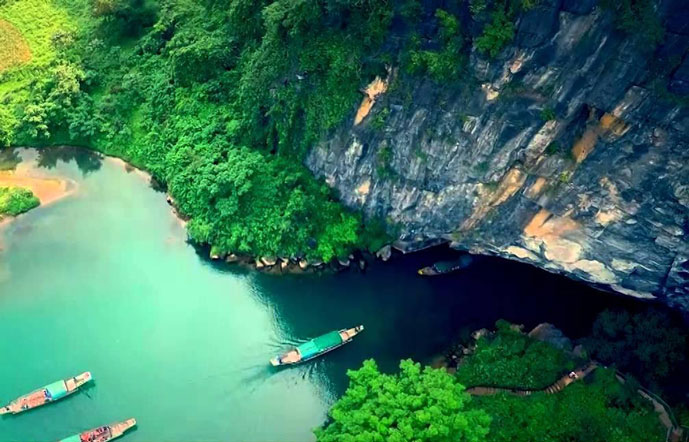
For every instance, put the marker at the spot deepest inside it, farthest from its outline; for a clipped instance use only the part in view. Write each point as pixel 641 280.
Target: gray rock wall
pixel 600 192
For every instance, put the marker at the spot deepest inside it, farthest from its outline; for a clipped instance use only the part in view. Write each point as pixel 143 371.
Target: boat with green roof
pixel 317 347
pixel 49 393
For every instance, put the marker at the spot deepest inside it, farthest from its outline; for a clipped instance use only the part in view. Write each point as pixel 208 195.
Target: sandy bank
pixel 47 190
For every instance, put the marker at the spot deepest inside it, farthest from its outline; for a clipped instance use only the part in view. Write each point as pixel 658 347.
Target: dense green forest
pixel 221 99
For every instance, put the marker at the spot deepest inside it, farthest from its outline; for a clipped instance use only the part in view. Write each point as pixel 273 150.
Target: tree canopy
pixel 419 404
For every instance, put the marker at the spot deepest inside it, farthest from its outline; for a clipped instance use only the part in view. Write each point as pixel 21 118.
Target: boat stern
pixel 275 362
pixel 6 410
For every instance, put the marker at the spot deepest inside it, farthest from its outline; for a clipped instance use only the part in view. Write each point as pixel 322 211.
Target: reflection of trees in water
pixel 87 161
pixel 9 158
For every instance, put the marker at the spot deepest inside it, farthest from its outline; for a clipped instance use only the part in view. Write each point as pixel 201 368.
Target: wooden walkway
pixel 675 433
pixel 550 389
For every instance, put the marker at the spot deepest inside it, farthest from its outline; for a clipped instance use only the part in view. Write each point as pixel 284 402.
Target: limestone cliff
pixel 570 151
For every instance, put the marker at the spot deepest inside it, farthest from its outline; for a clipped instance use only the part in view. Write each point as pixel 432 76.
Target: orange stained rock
pixel 509 185
pixel 545 224
pixel 377 87
pixel 364 188
pixel 584 145
pixel 608 124
pixel 606 217
pixel 613 124
pixel 536 188
pixel 513 181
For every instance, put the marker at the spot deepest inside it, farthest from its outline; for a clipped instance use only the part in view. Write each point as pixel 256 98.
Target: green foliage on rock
pixel 415 405
pixel 16 200
pixel 511 359
pixel 496 34
pixel 444 64
pixel 548 114
pixel 637 17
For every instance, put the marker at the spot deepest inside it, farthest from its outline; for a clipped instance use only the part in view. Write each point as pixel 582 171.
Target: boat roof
pixel 57 389
pixel 328 340
pixel 320 344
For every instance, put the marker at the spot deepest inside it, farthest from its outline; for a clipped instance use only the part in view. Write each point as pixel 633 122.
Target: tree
pixel 416 404
pixel 647 344
pixel 8 122
pixel 496 35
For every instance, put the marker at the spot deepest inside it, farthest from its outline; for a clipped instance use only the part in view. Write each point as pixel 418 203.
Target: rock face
pixel 568 151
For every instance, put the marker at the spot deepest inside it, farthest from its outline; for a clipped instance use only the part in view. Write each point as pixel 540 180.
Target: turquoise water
pixel 105 281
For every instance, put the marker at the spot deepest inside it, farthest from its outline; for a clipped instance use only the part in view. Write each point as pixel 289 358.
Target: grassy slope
pixel 38 21
pixel 13 47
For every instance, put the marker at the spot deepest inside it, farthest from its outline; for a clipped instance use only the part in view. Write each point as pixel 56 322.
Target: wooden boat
pixel 443 267
pixel 49 393
pixel 104 433
pixel 317 347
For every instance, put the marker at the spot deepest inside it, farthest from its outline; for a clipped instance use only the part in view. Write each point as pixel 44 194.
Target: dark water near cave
pixel 105 281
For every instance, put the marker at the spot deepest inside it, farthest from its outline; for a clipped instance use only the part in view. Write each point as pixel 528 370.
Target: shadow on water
pixel 9 158
pixel 86 160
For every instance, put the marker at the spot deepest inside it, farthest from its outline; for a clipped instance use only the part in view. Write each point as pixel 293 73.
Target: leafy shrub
pixel 553 148
pixel 637 17
pixel 548 114
pixel 8 123
pixel 496 34
pixel 446 63
pixel 16 200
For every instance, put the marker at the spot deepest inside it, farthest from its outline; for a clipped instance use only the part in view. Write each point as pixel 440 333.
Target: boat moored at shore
pixel 445 267
pixel 103 434
pixel 50 393
pixel 317 347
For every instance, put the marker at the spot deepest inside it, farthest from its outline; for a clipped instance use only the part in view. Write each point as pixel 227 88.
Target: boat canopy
pixel 56 390
pixel 321 343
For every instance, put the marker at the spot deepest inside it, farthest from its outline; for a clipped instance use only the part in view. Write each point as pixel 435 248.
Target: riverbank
pixel 47 190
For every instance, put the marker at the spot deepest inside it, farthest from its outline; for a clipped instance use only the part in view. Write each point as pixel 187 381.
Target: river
pixel 105 281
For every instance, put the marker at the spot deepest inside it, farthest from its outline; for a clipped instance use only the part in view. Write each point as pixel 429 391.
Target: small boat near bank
pixel 445 267
pixel 103 434
pixel 317 347
pixel 50 393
